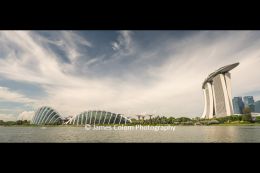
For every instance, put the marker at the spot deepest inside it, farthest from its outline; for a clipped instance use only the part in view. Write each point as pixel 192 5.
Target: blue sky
pixel 127 72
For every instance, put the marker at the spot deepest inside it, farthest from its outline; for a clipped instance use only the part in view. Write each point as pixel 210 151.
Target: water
pixel 181 134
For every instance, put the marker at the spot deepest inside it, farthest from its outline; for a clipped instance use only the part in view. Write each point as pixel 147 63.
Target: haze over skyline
pixel 121 71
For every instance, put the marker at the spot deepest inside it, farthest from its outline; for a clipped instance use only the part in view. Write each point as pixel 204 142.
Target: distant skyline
pixel 121 71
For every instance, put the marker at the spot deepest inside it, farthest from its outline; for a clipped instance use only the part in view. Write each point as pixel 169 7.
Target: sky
pixel 127 72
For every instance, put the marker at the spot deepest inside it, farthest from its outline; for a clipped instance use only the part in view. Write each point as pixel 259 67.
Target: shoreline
pixel 230 124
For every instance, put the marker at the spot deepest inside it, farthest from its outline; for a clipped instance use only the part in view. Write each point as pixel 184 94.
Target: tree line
pixel 246 117
pixel 12 123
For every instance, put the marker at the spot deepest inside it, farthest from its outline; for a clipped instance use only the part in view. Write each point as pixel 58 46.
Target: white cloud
pixel 115 46
pixel 124 44
pixel 7 117
pixel 175 87
pixel 7 95
pixel 70 42
pixel 26 115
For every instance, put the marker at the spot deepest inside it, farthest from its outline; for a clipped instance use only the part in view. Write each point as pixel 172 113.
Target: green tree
pixel 182 119
pixel 257 119
pixel 150 118
pixel 247 114
pixel 234 118
pixel 247 110
pixel 171 120
pixel 247 117
pixel 197 118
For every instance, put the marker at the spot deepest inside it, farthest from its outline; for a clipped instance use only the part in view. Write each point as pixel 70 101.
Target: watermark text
pixel 129 128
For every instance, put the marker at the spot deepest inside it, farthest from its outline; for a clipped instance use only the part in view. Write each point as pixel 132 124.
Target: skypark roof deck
pixel 224 69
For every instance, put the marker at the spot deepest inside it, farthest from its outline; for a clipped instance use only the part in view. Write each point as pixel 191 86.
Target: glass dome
pixel 46 115
pixel 98 117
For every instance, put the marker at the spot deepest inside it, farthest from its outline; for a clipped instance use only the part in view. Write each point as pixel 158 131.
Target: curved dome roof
pixel 98 117
pixel 46 115
pixel 221 70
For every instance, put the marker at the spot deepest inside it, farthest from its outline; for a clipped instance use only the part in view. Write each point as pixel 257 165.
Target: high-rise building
pixel 217 93
pixel 249 102
pixel 257 106
pixel 238 105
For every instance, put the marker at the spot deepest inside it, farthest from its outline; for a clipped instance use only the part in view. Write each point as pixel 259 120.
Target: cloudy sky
pixel 125 72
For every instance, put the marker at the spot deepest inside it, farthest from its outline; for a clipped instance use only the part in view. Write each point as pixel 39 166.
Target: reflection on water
pixel 181 134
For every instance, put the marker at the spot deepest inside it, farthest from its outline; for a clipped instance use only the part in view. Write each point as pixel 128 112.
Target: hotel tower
pixel 217 93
